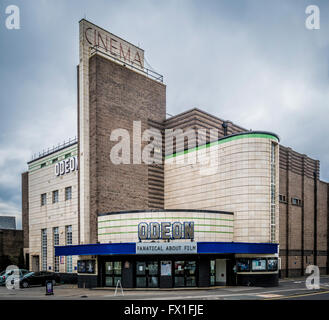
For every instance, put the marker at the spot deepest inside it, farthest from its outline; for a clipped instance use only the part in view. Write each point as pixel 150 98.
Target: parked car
pixel 5 274
pixel 38 278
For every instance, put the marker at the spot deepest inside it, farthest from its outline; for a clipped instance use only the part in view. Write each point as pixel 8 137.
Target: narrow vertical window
pixel 56 243
pixel 44 249
pixel 68 242
pixel 55 196
pixel 68 193
pixel 43 199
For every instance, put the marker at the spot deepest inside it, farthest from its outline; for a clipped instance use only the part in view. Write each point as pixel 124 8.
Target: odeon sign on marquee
pixel 165 230
pixel 66 166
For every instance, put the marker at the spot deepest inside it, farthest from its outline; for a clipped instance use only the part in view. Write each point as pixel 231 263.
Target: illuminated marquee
pixel 165 230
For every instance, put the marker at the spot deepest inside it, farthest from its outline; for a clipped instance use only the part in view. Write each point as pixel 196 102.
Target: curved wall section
pixel 243 180
pixel 214 226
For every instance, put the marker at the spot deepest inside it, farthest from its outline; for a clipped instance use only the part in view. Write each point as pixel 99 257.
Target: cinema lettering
pixel 165 230
pixel 66 166
pixel 113 45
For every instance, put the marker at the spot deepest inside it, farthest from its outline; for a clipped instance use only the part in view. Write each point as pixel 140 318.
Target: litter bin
pixel 49 288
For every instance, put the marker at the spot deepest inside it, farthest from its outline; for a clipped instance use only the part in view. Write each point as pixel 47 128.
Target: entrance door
pixel 221 272
pixel 212 272
pixel 147 274
pixel 113 272
pixel 185 273
pixel 35 264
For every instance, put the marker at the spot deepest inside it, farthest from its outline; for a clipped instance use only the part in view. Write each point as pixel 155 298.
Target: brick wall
pixel 11 248
pixel 118 96
pixel 297 246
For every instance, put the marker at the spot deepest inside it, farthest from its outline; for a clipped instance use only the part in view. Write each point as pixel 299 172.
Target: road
pixel 291 289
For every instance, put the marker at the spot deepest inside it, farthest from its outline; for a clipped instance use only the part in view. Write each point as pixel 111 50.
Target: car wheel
pixel 25 284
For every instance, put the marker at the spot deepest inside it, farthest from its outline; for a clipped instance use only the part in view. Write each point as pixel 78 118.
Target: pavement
pixel 288 289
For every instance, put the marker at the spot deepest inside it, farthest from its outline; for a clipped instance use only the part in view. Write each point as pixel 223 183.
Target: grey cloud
pixel 252 62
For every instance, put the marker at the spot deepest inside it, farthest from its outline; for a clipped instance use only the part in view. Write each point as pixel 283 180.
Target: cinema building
pixel 257 213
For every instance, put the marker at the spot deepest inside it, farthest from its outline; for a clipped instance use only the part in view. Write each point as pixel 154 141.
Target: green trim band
pixel 37 165
pixel 224 140
pixel 213 231
pixel 102 234
pixel 120 226
pixel 149 218
pixel 134 225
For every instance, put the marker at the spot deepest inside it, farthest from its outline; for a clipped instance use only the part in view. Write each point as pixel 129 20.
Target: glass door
pixel 212 272
pixel 185 273
pixel 147 274
pixel 140 274
pixel 190 273
pixel 179 274
pixel 153 274
pixel 113 271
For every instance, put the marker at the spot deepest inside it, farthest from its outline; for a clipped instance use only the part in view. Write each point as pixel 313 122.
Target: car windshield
pixel 29 274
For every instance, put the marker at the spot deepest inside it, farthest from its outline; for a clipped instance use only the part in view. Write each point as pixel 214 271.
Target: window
pixel 44 199
pixel 272 264
pixel 68 240
pixel 243 265
pixel 56 243
pixel 55 196
pixel 68 193
pixel 54 160
pixel 43 165
pixel 67 155
pixel 296 202
pixel 258 264
pixel 86 266
pixel 282 198
pixel 44 249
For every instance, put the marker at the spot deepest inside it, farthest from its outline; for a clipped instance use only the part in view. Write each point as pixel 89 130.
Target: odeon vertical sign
pixel 66 166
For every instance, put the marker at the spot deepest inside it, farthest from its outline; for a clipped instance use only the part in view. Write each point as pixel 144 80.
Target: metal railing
pixel 149 73
pixel 54 148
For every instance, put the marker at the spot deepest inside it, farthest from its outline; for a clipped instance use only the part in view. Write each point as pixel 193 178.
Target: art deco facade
pixel 258 211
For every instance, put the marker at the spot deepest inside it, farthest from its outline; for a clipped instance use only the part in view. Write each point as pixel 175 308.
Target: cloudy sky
pixel 249 61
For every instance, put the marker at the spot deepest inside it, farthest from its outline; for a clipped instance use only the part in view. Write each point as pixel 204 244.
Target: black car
pixel 38 278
